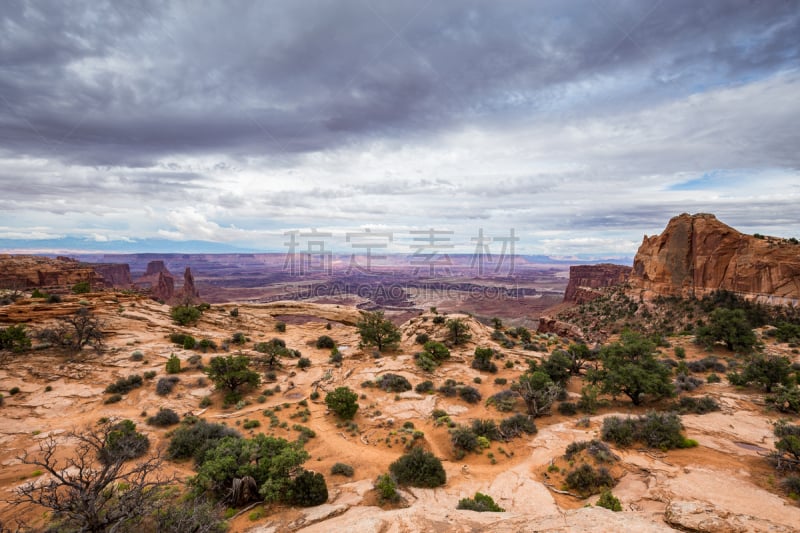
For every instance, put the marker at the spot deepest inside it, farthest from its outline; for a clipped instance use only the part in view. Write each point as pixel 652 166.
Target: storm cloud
pixel 579 124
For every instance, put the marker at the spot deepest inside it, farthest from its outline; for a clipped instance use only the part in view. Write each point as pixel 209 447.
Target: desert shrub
pixel 785 399
pixel 464 440
pixel 500 381
pixel 424 387
pixel 480 503
pixel 238 338
pixel 713 378
pixel 568 408
pixel 342 469
pixel 195 437
pixel 765 370
pixel 503 400
pixel 234 312
pixel 418 468
pixel 194 359
pixel 393 383
pixel 680 352
pixel 516 425
pixel 469 394
pixel 707 363
pixel 791 484
pixel 326 342
pixel 439 319
pixel 343 402
pixel 149 374
pixel 422 338
pixel 280 327
pixel 125 385
pixel 183 315
pixel 448 388
pixel 609 501
pixel 173 364
pixel 251 424
pixel 165 385
pixel 164 417
pixel 595 448
pixel 137 356
pixel 375 330
pixel 53 298
pixel 656 430
pixel 308 489
pixel 123 442
pixel 206 344
pixel 483 360
pixel 699 406
pixel 387 489
pixel 231 373
pixel 82 287
pixel 303 363
pixel 114 398
pixel 687 383
pixel 14 338
pixel 586 479
pixel 486 428
pixel 336 356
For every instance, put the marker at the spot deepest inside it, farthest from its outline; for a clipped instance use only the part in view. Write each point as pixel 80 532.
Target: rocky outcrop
pixel 584 278
pixel 154 267
pixel 190 294
pixel 562 329
pixel 698 254
pixel 117 275
pixel 28 271
pixel 164 288
pixel 704 517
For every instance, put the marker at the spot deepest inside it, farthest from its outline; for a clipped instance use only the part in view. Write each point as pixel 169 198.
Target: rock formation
pixel 164 288
pixel 189 292
pixel 117 275
pixel 584 278
pixel 27 271
pixel 154 267
pixel 698 254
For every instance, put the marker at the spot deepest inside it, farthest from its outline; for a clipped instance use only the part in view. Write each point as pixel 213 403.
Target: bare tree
pixel 96 488
pixel 76 331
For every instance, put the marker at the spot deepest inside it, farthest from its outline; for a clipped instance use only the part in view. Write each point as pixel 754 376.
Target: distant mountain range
pixel 77 246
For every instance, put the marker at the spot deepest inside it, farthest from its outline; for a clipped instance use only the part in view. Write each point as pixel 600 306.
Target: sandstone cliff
pixel 117 275
pixel 28 271
pixel 698 254
pixel 584 278
pixel 190 292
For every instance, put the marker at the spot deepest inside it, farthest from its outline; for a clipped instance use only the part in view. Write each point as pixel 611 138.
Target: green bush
pixel 125 385
pixel 195 437
pixel 82 287
pixel 422 338
pixel 503 400
pixel 239 338
pixel 656 430
pixel 483 360
pixel 123 442
pixel 231 373
pixel 486 428
pixel 308 489
pixel 137 356
pixel 183 315
pixel 173 364
pixel 342 469
pixel 280 327
pixel 387 489
pixel 234 312
pixel 469 394
pixel 568 408
pixel 516 425
pixel 165 385
pixel 343 402
pixel 326 342
pixel 699 406
pixel 424 387
pixel 375 330
pixel 303 363
pixel 206 344
pixel 418 468
pixel 464 440
pixel 14 338
pixel 609 501
pixel 586 479
pixel 114 398
pixel 164 417
pixel 480 503
pixel 786 399
pixel 393 383
pixel 595 448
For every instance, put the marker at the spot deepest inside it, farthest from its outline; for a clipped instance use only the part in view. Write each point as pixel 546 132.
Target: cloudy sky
pixel 580 125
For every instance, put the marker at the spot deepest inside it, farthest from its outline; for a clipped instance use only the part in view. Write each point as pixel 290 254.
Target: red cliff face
pixel 584 278
pixel 118 275
pixel 154 267
pixel 164 288
pixel 27 271
pixel 698 254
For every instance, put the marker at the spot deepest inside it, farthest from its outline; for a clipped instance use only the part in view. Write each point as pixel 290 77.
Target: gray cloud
pixel 389 112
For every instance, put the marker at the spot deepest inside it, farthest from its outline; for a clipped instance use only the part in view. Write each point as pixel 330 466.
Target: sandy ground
pixel 726 472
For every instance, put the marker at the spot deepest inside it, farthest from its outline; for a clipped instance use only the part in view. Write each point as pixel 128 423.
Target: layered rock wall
pixel 584 278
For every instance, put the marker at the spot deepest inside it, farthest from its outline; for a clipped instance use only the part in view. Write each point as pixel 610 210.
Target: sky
pixel 578 126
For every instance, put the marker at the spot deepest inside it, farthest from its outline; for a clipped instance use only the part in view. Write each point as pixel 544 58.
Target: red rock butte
pixel 698 254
